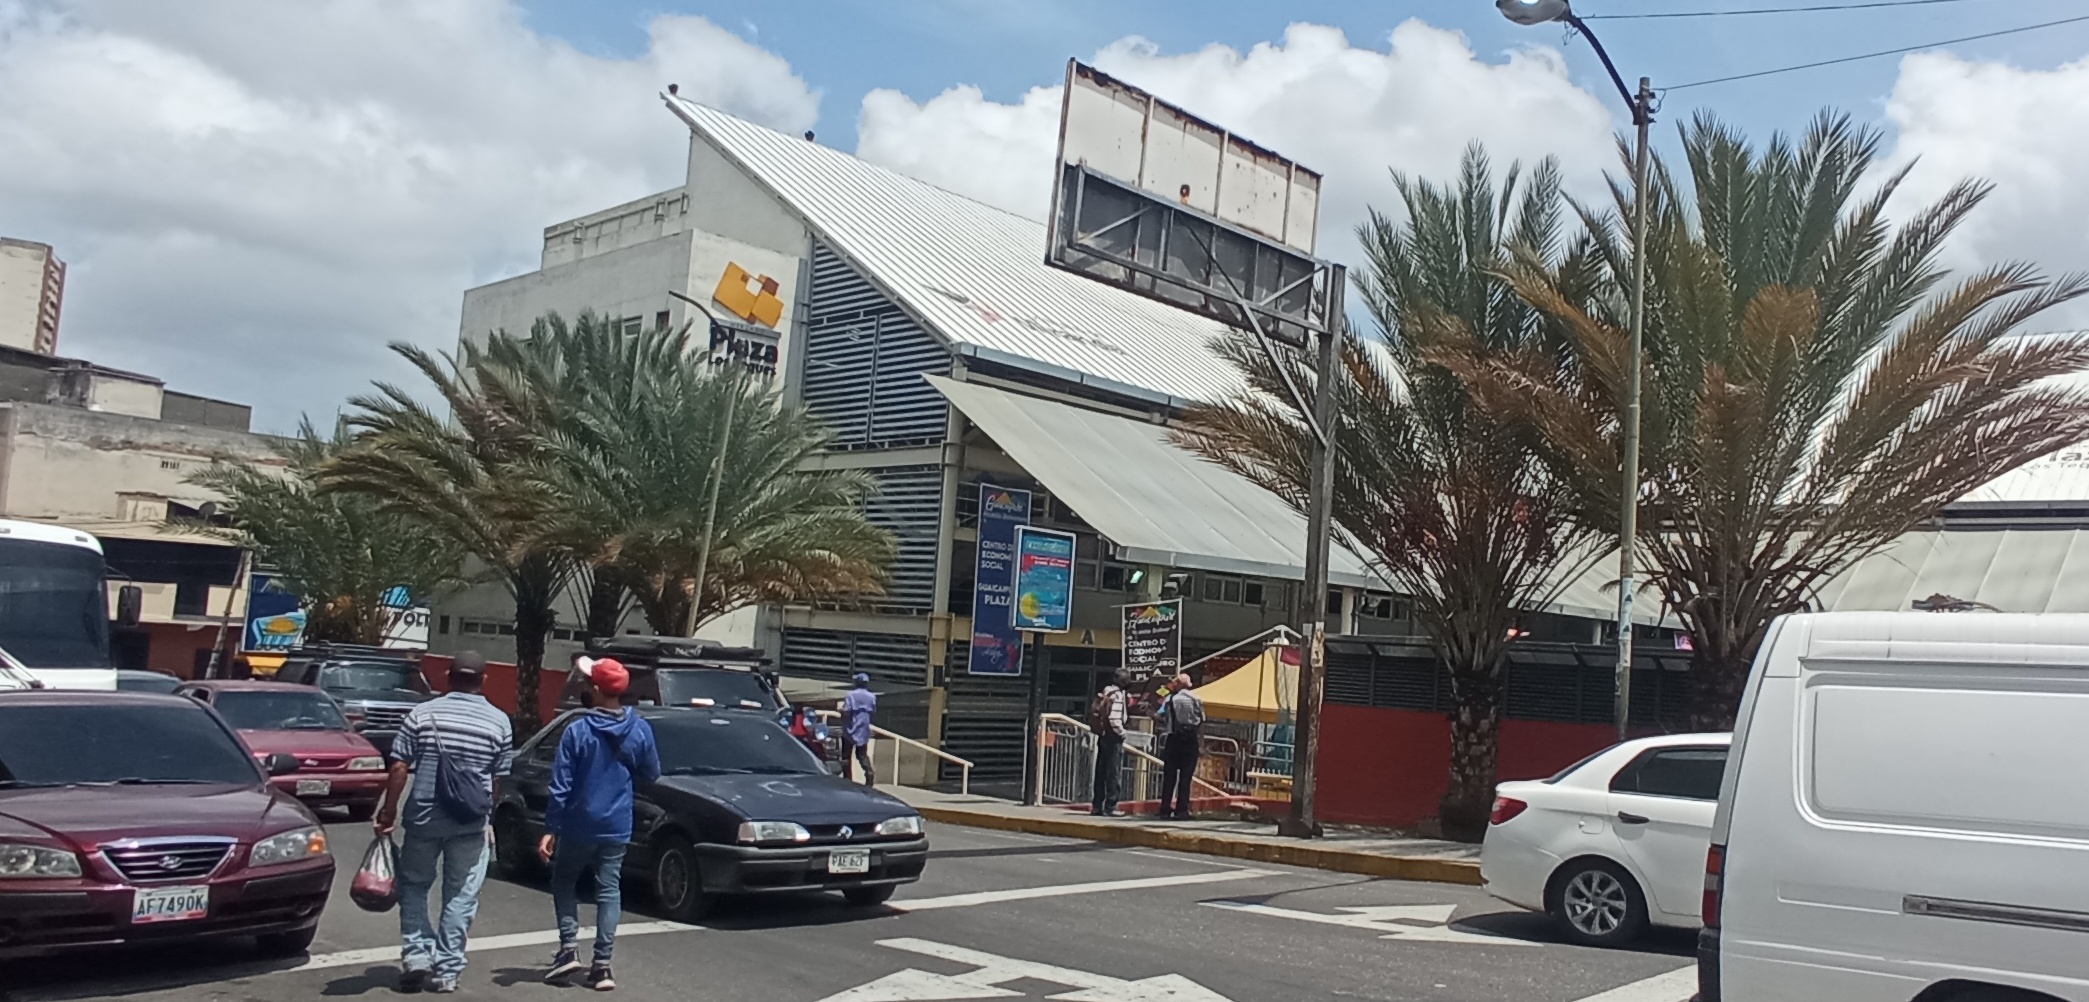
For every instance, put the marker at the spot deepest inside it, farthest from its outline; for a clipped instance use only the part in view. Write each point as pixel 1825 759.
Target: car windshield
pixel 722 686
pixel 694 744
pixel 279 711
pixel 372 676
pixel 44 744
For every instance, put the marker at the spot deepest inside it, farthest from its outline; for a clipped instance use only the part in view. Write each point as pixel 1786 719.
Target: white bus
pixel 54 605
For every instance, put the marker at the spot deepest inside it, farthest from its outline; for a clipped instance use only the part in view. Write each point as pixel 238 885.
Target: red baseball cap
pixel 608 674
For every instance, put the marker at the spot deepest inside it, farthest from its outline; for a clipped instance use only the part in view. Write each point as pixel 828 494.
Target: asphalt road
pixel 996 916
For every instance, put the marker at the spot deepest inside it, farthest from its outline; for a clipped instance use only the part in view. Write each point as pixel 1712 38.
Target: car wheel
pixel 678 880
pixel 513 855
pixel 864 897
pixel 1598 904
pixel 287 944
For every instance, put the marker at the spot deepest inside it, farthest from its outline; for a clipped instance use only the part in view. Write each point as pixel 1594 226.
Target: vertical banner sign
pixel 1044 580
pixel 997 647
pixel 1153 639
pixel 274 621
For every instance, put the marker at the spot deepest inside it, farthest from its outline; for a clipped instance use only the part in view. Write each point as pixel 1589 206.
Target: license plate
pixel 849 861
pixel 169 904
pixel 314 787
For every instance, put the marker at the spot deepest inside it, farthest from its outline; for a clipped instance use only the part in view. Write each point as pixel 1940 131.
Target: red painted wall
pixel 1390 767
pixel 500 684
pixel 173 647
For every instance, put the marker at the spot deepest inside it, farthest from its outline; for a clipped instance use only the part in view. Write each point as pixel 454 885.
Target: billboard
pixel 275 622
pixel 1044 580
pixel 1156 201
pixel 997 646
pixel 1153 639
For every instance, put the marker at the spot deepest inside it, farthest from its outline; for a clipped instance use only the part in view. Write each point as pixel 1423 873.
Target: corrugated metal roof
pixel 2013 570
pixel 973 273
pixel 1159 503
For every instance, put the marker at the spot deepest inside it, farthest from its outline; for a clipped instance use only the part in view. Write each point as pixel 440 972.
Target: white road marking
pixel 913 985
pixel 1675 986
pixel 1063 890
pixel 1425 923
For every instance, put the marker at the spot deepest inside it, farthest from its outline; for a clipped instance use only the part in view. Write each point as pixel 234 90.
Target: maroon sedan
pixel 336 767
pixel 133 818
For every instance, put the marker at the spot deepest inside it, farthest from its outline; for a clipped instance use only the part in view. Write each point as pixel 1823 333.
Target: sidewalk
pixel 1344 851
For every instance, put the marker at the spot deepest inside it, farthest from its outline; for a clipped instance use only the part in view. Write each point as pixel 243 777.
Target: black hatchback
pixel 741 808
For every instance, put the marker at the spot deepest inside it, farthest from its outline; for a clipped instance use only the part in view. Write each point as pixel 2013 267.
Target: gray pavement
pixel 998 915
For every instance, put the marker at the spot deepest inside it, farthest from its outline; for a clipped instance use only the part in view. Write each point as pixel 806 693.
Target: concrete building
pixel 32 290
pixel 109 452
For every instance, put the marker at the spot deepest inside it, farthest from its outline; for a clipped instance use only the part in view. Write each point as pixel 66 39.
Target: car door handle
pixel 1632 819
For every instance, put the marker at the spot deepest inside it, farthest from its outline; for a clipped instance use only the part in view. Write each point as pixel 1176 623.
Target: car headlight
pixel 289 847
pixel 18 860
pixel 773 831
pixel 909 825
pixel 371 763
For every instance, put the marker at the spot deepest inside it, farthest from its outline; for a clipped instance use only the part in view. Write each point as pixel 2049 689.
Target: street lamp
pixel 1534 12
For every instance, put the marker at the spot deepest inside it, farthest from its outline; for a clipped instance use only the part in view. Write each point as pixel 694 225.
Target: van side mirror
pixel 130 605
pixel 280 764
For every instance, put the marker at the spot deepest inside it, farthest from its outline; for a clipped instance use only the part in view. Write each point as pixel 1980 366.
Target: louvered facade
pixel 864 359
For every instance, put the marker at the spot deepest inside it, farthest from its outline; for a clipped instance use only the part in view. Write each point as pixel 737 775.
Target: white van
pixel 1905 814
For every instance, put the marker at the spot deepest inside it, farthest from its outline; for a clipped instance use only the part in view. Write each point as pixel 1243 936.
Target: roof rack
pixel 653 649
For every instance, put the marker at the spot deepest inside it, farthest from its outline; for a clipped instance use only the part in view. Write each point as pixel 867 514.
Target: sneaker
pixel 413 979
pixel 600 980
pixel 566 962
pixel 442 986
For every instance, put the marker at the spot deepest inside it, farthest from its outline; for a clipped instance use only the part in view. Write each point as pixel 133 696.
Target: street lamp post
pixel 1534 12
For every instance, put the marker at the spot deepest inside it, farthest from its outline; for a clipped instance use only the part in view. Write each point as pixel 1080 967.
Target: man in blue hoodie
pixel 603 756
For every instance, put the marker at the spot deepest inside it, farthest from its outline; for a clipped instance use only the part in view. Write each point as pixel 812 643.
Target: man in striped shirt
pixel 445 761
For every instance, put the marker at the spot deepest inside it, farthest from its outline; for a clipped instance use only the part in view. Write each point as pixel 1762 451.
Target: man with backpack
pixel 451 750
pixel 604 755
pixel 1106 715
pixel 1182 739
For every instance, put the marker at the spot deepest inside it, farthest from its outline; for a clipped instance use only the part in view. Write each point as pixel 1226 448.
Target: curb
pixel 1304 854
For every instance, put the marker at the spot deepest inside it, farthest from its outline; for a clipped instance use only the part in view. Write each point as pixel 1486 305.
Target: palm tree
pixel 338 553
pixel 1814 392
pixel 456 475
pixel 1446 498
pixel 624 483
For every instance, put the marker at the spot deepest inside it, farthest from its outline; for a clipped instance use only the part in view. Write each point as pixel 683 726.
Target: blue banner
pixel 274 621
pixel 997 647
pixel 1044 580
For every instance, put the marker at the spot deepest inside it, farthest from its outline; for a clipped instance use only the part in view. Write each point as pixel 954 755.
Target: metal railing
pixel 898 743
pixel 1064 761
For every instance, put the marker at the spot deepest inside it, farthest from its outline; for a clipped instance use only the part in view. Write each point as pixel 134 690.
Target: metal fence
pixel 1065 765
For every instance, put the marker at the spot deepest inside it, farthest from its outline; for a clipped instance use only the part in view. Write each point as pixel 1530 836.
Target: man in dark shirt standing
pixel 454 744
pixel 1180 746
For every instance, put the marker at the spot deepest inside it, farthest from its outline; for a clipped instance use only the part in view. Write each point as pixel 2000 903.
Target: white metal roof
pixel 2041 570
pixel 973 273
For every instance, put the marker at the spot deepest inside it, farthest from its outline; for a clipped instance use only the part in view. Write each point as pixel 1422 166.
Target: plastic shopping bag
pixel 376 886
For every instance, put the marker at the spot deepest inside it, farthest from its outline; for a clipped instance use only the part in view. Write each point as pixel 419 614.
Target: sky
pixel 255 197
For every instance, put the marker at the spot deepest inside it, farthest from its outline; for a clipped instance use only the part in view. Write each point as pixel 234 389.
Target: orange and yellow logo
pixel 752 298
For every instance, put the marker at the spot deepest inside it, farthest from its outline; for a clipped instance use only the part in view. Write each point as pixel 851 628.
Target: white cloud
pixel 1349 112
pixel 2027 131
pixel 256 196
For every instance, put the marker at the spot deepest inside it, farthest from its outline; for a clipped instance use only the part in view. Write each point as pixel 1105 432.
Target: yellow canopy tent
pixel 1263 691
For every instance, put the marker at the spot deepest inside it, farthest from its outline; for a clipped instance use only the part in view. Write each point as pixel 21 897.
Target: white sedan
pixel 1615 843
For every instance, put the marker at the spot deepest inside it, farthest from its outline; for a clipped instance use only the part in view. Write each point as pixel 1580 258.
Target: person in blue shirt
pixel 856 710
pixel 603 756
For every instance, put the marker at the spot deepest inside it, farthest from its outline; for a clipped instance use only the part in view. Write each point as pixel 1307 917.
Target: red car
pixel 134 818
pixel 336 767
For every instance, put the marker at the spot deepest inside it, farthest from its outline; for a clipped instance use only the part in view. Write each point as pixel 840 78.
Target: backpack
pixel 1099 712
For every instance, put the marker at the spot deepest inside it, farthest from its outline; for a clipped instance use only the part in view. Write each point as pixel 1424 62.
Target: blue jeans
pixel 439 948
pixel 570 858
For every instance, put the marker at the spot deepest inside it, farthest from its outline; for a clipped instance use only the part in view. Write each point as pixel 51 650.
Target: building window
pixel 1223 588
pixel 1375 605
pixel 1088 574
pixel 660 320
pixel 628 326
pixel 442 625
pixel 1251 593
pixel 1334 602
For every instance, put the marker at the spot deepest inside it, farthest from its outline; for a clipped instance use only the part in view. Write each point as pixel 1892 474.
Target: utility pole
pixel 703 556
pixel 1628 511
pixel 1312 605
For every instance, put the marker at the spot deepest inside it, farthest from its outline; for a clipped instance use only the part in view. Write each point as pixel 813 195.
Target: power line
pixel 1875 55
pixel 1873 4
